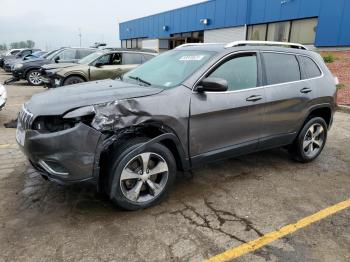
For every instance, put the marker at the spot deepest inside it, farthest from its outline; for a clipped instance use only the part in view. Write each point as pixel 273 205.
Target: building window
pixel 134 43
pixel 123 43
pixel 257 32
pixel 304 31
pixel 139 43
pixel 128 43
pixel 298 31
pixel 278 32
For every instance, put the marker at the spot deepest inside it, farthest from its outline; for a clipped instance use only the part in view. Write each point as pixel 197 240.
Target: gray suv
pixel 189 106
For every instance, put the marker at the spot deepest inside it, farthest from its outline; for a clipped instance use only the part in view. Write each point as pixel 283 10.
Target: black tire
pixel 33 77
pixel 72 80
pixel 122 156
pixel 297 150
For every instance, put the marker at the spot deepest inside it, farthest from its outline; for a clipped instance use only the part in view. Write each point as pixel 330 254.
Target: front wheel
pixel 140 180
pixel 72 80
pixel 34 78
pixel 310 141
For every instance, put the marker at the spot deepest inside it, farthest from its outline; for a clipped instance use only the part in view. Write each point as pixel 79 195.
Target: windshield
pixel 169 69
pixel 90 58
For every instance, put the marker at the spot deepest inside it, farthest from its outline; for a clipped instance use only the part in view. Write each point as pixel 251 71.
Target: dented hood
pixel 60 100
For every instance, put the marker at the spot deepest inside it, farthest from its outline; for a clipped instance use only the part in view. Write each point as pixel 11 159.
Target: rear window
pixel 131 59
pixel 281 68
pixel 81 53
pixel 309 67
pixel 146 57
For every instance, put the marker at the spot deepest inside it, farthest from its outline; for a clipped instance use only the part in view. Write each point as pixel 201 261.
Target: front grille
pixel 25 118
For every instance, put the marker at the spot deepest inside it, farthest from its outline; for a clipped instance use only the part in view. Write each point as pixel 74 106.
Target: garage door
pixel 225 35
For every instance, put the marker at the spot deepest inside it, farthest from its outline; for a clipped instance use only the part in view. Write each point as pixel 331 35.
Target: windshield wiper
pixel 140 80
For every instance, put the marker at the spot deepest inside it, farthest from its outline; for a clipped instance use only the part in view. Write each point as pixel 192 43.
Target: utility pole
pixel 80 35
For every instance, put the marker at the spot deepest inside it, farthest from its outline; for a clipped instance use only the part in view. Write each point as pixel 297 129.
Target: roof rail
pixel 197 44
pixel 267 43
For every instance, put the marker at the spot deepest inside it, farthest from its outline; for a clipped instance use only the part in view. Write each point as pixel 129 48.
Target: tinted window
pixel 309 67
pixel 281 68
pixel 145 58
pixel 83 53
pixel 131 59
pixel 240 72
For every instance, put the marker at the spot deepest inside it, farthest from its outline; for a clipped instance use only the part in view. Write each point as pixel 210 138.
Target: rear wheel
pixel 72 80
pixel 140 180
pixel 310 141
pixel 34 78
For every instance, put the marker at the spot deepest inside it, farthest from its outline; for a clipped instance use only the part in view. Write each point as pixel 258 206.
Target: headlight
pixel 17 66
pixel 3 93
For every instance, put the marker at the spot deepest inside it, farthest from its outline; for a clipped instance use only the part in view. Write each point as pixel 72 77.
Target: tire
pixel 126 175
pixel 72 80
pixel 311 140
pixel 33 78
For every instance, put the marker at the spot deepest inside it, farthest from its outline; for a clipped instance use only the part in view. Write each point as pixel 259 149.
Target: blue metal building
pixel 323 23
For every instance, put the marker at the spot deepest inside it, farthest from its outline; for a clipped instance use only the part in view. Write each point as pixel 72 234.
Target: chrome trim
pixel 48 169
pixel 259 87
pixel 267 43
pixel 25 118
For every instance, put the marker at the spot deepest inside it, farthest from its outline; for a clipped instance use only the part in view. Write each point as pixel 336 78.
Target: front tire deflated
pixel 138 180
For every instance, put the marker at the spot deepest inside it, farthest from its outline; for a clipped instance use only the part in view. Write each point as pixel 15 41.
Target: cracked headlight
pixel 53 124
pixel 17 66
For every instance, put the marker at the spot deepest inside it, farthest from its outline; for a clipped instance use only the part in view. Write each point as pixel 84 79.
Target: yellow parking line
pixel 272 236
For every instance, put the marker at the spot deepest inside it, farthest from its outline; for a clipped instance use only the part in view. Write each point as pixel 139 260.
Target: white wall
pixel 225 35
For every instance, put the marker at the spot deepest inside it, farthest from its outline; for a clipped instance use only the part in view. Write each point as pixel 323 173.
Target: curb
pixel 344 109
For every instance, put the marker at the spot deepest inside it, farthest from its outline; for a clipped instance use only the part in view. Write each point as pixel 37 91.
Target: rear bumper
pixel 64 157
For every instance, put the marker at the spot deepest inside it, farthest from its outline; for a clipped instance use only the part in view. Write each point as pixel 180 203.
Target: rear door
pixel 287 95
pixel 229 123
pixel 130 61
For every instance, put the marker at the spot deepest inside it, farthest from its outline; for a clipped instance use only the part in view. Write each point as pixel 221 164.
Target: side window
pixel 131 59
pixel 281 68
pixel 104 60
pixel 240 72
pixel 309 67
pixel 145 58
pixel 68 54
pixel 81 53
pixel 117 59
pixel 27 52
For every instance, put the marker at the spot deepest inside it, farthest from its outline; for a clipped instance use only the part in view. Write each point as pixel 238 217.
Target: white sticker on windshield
pixel 192 58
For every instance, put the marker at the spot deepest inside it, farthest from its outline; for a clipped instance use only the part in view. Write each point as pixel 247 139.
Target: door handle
pixel 254 98
pixel 306 90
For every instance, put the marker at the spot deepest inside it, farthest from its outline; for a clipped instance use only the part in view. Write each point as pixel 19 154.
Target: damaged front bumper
pixel 66 156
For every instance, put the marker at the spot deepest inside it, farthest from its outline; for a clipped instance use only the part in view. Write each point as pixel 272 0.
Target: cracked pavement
pixel 223 205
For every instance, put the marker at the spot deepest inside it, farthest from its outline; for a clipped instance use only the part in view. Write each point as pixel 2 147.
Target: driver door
pixel 107 66
pixel 228 123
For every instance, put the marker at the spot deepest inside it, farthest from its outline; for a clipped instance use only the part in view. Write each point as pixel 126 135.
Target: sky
pixel 52 24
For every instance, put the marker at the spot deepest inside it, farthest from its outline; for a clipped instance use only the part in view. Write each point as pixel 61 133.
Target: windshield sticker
pixel 192 58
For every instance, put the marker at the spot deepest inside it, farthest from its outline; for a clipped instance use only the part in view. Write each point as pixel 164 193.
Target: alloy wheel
pixel 144 177
pixel 35 78
pixel 313 140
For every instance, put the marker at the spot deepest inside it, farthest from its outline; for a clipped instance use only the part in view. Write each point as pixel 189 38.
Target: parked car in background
pixel 8 53
pixel 11 62
pixel 22 53
pixel 108 63
pixel 3 96
pixel 30 70
pixel 184 108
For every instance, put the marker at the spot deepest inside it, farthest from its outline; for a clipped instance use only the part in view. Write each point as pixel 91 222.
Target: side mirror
pixel 212 84
pixel 98 65
pixel 57 59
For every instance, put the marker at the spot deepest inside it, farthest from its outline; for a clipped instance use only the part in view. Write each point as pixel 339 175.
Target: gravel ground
pixel 341 68
pixel 223 205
